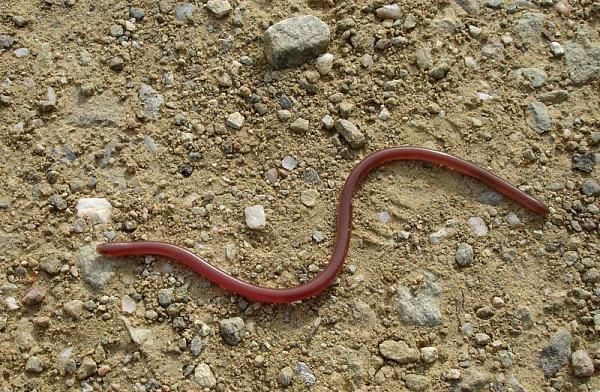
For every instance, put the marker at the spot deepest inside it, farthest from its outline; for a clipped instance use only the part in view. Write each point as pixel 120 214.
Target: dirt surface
pixel 129 101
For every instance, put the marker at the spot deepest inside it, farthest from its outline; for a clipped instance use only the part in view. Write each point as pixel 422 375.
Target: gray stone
pixel 196 345
pixel 582 363
pixel 494 4
pixel 349 131
pixel 219 8
pixel 554 97
pixel 285 376
pixel 464 255
pixel 6 41
pixel 104 110
pixel 232 330
pixel 137 13
pixel 204 376
pixel 538 117
pixel 582 59
pixel 165 296
pixel 439 71
pixel 96 270
pixel 51 265
pixel 235 120
pixel 87 368
pixel 300 125
pixel 399 351
pixel 470 6
pixel 590 187
pixel 584 162
pixel 556 355
pixel 306 374
pixel 423 58
pixel 474 380
pixel 416 382
pixel 184 12
pixel 57 202
pixel 73 308
pixel 536 77
pixel 420 306
pixel 528 28
pixel 294 41
pixel 151 101
pixel 490 198
pixel 117 63
pixel 34 365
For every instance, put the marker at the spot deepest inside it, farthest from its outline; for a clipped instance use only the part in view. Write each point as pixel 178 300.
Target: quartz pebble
pixel 478 226
pixel 289 163
pixel 235 120
pixel 350 133
pixel 219 8
pixel 325 63
pixel 204 376
pixel 390 11
pixel 255 217
pixel 96 209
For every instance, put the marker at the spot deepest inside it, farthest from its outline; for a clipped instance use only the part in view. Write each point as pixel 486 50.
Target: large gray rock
pixel 420 305
pixel 556 354
pixel 296 40
pixel 582 59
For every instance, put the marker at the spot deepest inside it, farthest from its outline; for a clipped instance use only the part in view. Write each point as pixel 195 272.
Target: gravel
pixel 420 305
pixel 538 117
pixel 204 376
pixel 350 133
pixel 219 8
pixel 306 374
pixel 34 365
pixel 590 187
pixel 34 296
pixel 235 120
pixel 292 42
pixel 464 255
pixel 582 363
pixel 232 330
pixel 151 100
pixel 255 217
pixel 285 376
pixel 556 354
pixel 399 351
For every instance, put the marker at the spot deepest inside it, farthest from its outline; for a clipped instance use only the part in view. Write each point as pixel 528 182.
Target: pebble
pixel 528 29
pixel 196 345
pixel 556 49
pixel 128 305
pixel 284 115
pixel 136 13
pixel 34 365
pixel 582 59
pixel 584 162
pixel 536 77
pixel 219 8
pixel 556 355
pixel 474 379
pixel 73 308
pixel 95 209
pixel 116 31
pixel 6 41
pixel 399 351
pixel 482 339
pixel 538 117
pixel 235 120
pixel 506 359
pixel 309 197
pixel 417 382
pixel 582 363
pixel 11 303
pixel 51 265
pixel 289 163
pixel 490 198
pixel 390 11
pixel 204 376
pixel 285 376
pixel 306 374
pixel 366 60
pixel 349 131
pixel 464 255
pixel 429 354
pixel 470 6
pixel 327 122
pixel 494 4
pixel 87 369
pixel 478 226
pixel 22 52
pixel 439 71
pixel 232 330
pixel 420 305
pixel 183 12
pixel 96 274
pixel 58 202
pixel 293 41
pixel 34 296
pixel 255 217
pixel 590 187
pixel 554 97
pixel 325 63
pixel 512 219
pixel 151 100
pixel 166 297
pixel 116 63
pixel 452 375
pixel 300 125
pixel 318 236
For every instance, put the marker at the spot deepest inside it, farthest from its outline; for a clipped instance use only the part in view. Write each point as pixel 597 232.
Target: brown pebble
pixel 103 370
pixel 34 296
pixel 42 321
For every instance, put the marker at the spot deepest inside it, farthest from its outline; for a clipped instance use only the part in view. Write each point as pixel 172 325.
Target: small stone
pixel 73 308
pixel 398 351
pixel 464 255
pixel 293 41
pixel 95 209
pixel 116 63
pixel 300 125
pixel 474 379
pixel 452 375
pixel 470 6
pixel 306 374
pixel 439 71
pixel 196 345
pixel 289 163
pixel 34 296
pixel 346 108
pixel 272 176
pixel 536 77
pixel 128 305
pixel 166 297
pixel 183 12
pixel 255 217
pixel 204 376
pixel 87 368
pixel 57 202
pixel 490 198
pixel 582 363
pixel 51 265
pixel 6 41
pixel 22 52
pixel 325 63
pixel 151 100
pixel 484 313
pixel 136 13
pixel 528 29
pixel 224 80
pixel 590 187
pixel 478 226
pixel 232 330
pixel 309 197
pixel 350 133
pixel 384 114
pixel 506 359
pixel 556 355
pixel 235 120
pixel 366 60
pixel 554 97
pixel 34 365
pixel 391 11
pixel 429 354
pixel 482 339
pixel 416 382
pixel 103 370
pixel 285 376
pixel 420 305
pixel 584 162
pixel 219 8
pixel 591 276
pixel 556 49
pixel 11 303
pixel 116 31
pixel 327 122
pixel 284 115
pixel 475 31
pixel 494 4
pixel 538 117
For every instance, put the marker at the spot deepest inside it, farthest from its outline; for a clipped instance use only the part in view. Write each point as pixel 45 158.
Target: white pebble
pixel 97 209
pixel 556 49
pixel 128 304
pixel 384 114
pixel 384 217
pixel 366 60
pixel 235 120
pixel 289 163
pixel 325 63
pixel 22 52
pixel 390 11
pixel 11 303
pixel 478 226
pixel 255 217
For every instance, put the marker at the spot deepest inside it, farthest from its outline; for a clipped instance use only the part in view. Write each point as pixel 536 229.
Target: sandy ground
pixel 139 117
